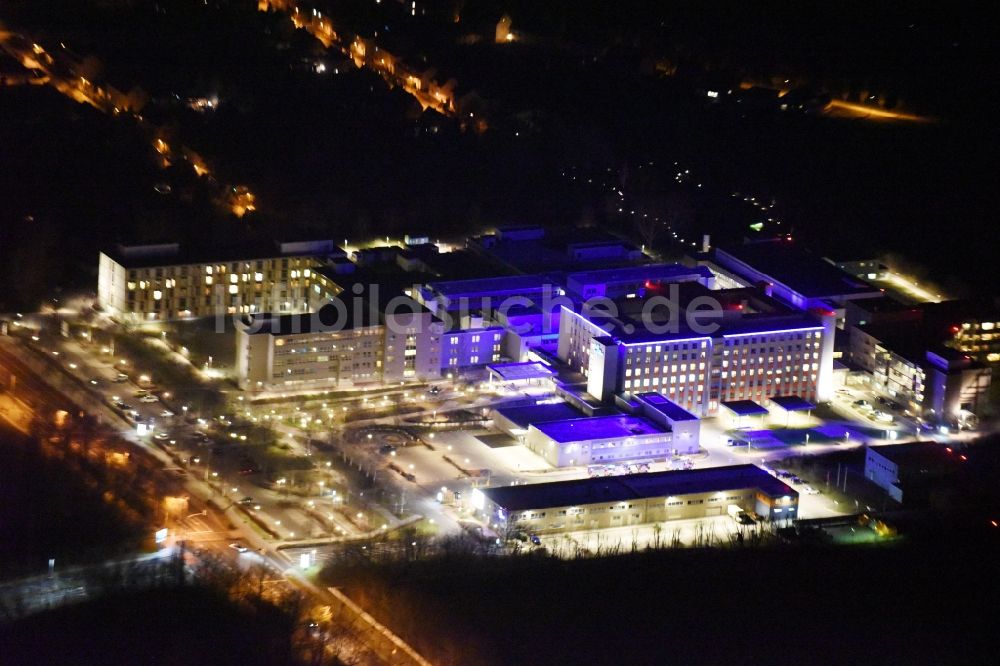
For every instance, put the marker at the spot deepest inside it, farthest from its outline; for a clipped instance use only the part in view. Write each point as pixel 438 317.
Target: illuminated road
pixel 213 524
pixel 60 70
pixel 838 107
pixel 365 52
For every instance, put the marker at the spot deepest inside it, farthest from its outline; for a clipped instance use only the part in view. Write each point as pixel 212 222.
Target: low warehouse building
pixel 636 499
pixel 605 439
pixel 910 467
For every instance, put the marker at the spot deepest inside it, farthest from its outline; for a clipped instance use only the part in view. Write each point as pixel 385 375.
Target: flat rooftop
pixel 665 406
pixel 337 315
pixel 634 330
pixel 918 455
pixel 512 372
pixel 792 403
pixel 551 251
pixel 787 262
pixel 744 407
pixel 460 265
pixel 598 427
pixel 526 415
pixel 493 286
pixel 652 272
pixel 174 254
pixel 638 486
pixel 327 319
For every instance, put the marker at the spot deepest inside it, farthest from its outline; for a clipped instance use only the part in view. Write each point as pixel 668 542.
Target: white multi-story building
pixel 752 357
pixel 161 282
pixel 602 439
pixel 896 372
pixel 469 348
pixel 337 348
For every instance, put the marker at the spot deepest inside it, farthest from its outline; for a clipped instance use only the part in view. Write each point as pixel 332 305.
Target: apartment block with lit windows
pixel 163 282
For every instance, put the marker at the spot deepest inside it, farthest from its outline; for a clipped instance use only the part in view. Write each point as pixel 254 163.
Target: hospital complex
pixel 639 351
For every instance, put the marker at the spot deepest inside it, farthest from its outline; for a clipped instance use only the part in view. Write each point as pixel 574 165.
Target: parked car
pixel 808 490
pixel 535 540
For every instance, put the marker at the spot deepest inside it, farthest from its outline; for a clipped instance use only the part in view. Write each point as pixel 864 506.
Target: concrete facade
pixel 293 352
pixel 636 499
pixel 777 356
pixel 159 282
pixel 606 439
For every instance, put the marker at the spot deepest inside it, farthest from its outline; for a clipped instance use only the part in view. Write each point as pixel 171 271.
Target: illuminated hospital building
pixel 164 282
pixel 754 349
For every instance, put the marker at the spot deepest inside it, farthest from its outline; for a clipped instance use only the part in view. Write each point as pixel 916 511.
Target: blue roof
pixel 637 486
pixel 525 416
pixel 744 407
pixel 598 427
pixel 654 272
pixel 495 286
pixel 792 403
pixel 751 324
pixel 667 407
